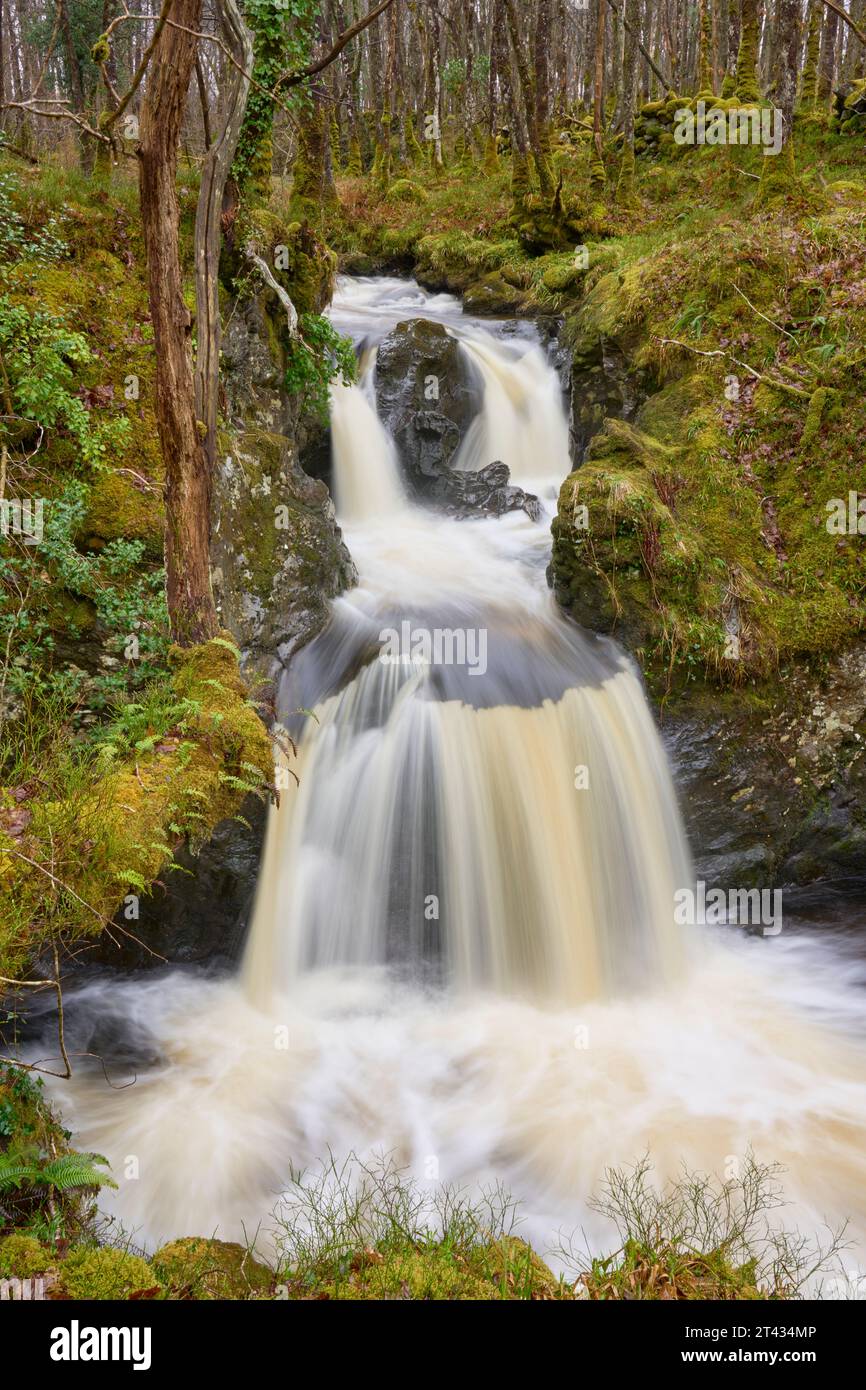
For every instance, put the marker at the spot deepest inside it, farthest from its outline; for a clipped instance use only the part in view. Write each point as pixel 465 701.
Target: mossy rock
pixel 105 1274
pixel 561 278
pixel 406 191
pixel 117 509
pixel 847 187
pixel 492 295
pixel 504 1269
pixel 211 1269
pixel 300 260
pixel 23 1257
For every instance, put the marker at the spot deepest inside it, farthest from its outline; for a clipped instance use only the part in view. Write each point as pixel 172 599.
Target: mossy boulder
pixel 849 107
pixel 277 553
pixel 406 191
pixel 105 1274
pixel 211 1269
pixel 123 506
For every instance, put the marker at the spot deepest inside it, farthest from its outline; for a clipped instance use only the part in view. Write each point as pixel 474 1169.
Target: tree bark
pixel 187 474
pixel 208 234
pixel 827 63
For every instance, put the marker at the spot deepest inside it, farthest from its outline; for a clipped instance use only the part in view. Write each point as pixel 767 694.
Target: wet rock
pixel 428 392
pixel 604 384
pixel 278 556
pixel 488 490
pixel 774 791
pixel 421 368
pixel 201 911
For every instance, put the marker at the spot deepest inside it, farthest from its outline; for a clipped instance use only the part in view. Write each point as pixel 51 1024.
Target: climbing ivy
pixel 282 40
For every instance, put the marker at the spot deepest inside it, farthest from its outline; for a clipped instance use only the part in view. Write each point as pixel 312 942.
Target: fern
pixel 76 1170
pixel 229 646
pixel 67 1173
pixel 14 1174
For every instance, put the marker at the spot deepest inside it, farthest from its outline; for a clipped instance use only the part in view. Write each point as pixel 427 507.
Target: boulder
pixel 277 552
pixel 428 392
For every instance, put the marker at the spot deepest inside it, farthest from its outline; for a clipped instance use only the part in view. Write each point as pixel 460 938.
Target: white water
pixel 551 1021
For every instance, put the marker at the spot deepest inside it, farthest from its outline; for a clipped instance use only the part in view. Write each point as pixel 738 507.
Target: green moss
pixel 23 1257
pixel 504 1269
pixel 404 190
pixel 118 508
pixel 814 417
pixel 208 1269
pixel 120 821
pixel 105 1274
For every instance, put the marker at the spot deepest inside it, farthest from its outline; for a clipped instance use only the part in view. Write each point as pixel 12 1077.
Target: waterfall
pixel 532 849
pixel 521 421
pixel 366 476
pixel 464 950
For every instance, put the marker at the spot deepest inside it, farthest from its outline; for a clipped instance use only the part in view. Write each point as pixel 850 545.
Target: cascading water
pixel 464 945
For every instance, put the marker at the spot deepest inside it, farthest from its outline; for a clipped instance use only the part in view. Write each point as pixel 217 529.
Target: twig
pixel 295 78
pixel 115 115
pixel 846 19
pixel 777 326
pixel 776 385
pixel 104 921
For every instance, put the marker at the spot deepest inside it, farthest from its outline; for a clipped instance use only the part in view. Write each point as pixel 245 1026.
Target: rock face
pixel 776 794
pixel 277 553
pixel 605 383
pixel 428 393
pixel 203 910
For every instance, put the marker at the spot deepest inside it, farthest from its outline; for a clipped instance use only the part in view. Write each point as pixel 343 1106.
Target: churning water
pixel 463 951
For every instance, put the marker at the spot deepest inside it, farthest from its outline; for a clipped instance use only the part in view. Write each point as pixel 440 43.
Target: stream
pixel 464 950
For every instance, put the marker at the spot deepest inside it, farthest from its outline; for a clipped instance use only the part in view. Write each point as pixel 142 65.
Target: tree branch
pixel 295 78
pixel 717 352
pixel 846 19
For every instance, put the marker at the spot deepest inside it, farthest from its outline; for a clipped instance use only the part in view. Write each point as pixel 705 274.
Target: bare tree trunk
pixel 187 474
pixel 625 186
pixel 827 63
pixel 208 237
pixel 598 93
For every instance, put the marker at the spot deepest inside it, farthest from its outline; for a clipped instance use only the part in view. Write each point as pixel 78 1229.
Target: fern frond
pixel 14 1174
pixel 75 1170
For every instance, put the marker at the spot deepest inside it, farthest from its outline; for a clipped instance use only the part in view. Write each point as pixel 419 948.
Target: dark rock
pixel 419 362
pixel 277 553
pixel 421 368
pixel 604 383
pixel 488 490
pixel 202 911
pixel 776 792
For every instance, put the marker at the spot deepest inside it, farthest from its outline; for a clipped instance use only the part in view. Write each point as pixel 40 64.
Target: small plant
pixel 698 1237
pixel 68 1174
pixel 367 1229
pixel 317 357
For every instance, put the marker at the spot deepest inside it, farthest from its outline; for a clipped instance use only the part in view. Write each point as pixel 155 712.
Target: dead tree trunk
pixel 187 474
